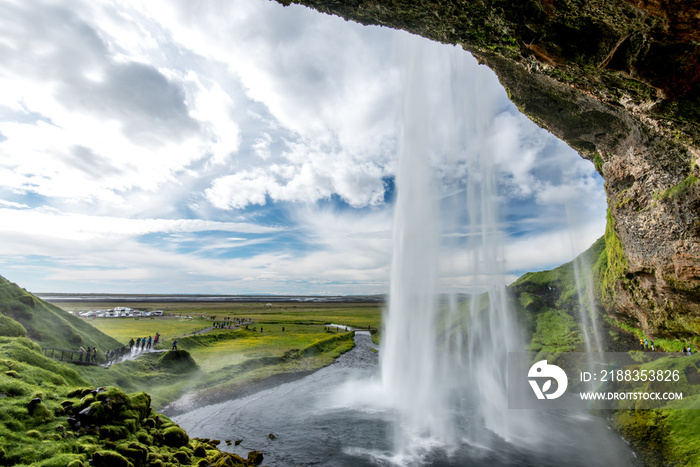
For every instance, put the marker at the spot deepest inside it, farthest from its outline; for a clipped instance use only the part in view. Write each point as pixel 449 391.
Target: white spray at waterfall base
pixel 440 354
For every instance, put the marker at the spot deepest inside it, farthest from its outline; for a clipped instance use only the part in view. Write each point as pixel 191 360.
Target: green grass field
pixel 360 315
pixel 123 329
pixel 229 357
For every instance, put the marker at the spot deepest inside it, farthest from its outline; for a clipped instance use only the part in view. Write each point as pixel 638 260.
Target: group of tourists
pixel 230 321
pixel 647 345
pixel 142 343
pixel 88 355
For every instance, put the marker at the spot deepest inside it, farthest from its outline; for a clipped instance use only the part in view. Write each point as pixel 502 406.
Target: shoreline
pixel 216 395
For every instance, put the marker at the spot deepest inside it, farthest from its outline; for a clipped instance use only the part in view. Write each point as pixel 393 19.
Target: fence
pixel 71 356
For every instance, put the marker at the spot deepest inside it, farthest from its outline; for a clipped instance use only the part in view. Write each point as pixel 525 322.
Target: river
pixel 336 417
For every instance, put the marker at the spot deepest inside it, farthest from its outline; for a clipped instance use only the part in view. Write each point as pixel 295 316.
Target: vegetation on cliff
pixel 548 303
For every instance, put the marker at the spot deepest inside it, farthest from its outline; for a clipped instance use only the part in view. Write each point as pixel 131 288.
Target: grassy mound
pixel 179 360
pixel 11 328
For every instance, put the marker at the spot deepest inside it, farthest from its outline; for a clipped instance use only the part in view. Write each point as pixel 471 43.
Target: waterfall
pixel 435 351
pixel 585 294
pixel 409 344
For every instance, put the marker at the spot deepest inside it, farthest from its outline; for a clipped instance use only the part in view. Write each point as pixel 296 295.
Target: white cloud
pixel 83 227
pixel 213 107
pixel 239 190
pixel 262 146
pixel 337 106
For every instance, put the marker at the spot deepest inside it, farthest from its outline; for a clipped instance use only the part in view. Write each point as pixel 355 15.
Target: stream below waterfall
pixel 335 417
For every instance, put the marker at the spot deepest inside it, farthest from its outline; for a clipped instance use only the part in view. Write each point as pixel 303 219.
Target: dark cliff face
pixel 619 81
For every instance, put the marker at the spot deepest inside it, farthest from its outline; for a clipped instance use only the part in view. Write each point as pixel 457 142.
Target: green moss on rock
pixel 179 361
pixel 109 459
pixel 113 432
pixel 175 436
pixel 11 328
pixel 612 265
pixel 135 452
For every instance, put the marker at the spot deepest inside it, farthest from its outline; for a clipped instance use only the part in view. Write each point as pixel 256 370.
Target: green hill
pixel 547 302
pixel 52 414
pixel 44 323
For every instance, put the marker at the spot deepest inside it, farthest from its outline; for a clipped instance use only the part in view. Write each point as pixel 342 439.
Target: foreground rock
pixel 105 427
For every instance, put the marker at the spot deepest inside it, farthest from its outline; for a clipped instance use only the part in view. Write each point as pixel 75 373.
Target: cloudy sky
pixel 241 147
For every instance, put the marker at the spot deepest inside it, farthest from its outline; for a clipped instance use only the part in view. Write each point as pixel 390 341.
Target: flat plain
pixel 281 339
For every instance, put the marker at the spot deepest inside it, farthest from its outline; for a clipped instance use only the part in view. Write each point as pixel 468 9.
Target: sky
pixel 243 147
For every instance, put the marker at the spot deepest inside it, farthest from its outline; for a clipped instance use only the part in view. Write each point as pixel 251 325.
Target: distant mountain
pixel 46 324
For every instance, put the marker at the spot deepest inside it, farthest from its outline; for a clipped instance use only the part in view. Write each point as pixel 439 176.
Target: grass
pixel 361 314
pixel 674 428
pixel 243 345
pixel 46 323
pixel 677 190
pixel 124 329
pixel 233 358
pixel 547 302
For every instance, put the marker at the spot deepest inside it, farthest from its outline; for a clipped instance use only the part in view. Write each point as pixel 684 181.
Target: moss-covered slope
pixel 45 323
pixel 54 425
pixel 549 303
pixel 52 416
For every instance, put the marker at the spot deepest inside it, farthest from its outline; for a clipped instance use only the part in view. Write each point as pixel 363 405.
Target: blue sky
pixel 237 147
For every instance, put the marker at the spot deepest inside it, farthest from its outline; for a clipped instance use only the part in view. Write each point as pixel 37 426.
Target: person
pixel 150 340
pixel 282 328
pixel 260 328
pixel 131 345
pixel 94 354
pixel 175 344
pixel 82 352
pixel 652 346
